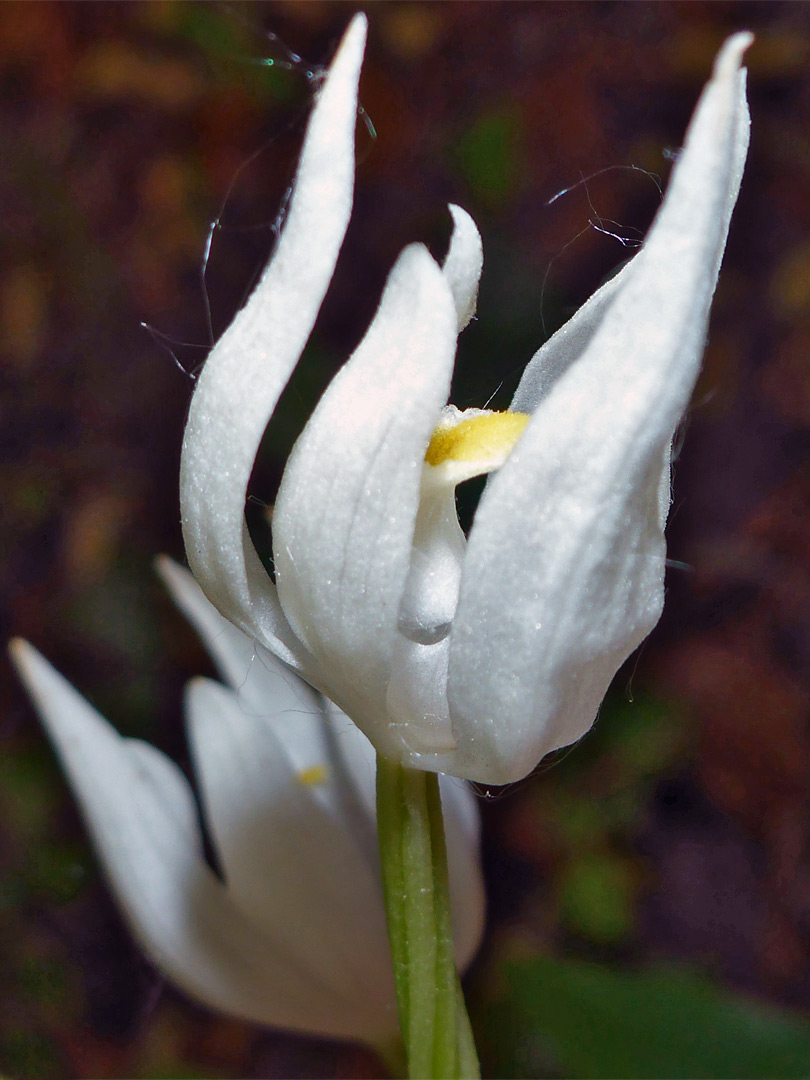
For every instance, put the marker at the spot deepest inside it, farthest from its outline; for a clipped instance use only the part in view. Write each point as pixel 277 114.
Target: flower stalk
pixel 435 1028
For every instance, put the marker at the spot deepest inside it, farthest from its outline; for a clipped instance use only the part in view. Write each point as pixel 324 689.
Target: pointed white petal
pixel 345 512
pixel 570 341
pixel 357 757
pixel 248 368
pixel 463 263
pixel 233 652
pixel 565 346
pixel 264 685
pixel 140 813
pixel 565 562
pixel 294 868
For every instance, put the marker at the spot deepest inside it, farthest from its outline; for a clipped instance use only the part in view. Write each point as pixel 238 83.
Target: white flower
pixel 294 934
pixel 474 657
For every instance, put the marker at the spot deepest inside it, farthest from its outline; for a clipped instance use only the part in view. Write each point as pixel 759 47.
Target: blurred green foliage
pixel 592 803
pixel 597 897
pixel 236 50
pixel 491 155
pixel 29 1054
pixel 569 1018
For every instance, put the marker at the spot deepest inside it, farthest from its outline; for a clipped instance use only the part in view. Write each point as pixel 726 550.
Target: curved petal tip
pixel 350 51
pixel 462 266
pixel 730 56
pixel 42 681
pixel 18 649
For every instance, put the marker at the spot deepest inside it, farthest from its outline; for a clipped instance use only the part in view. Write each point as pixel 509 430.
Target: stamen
pixel 476 440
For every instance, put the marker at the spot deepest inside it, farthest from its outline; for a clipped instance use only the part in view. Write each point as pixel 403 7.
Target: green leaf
pixel 663 1023
pixel 597 898
pixel 490 154
pixel 30 1054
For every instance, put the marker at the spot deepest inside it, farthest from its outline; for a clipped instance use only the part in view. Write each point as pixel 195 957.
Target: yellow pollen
pixel 487 436
pixel 313 776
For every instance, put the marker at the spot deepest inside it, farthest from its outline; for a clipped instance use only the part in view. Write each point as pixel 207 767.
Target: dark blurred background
pixel 649 889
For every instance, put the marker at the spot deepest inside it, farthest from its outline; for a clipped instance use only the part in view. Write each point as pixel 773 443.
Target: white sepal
pixel 564 570
pixel 249 366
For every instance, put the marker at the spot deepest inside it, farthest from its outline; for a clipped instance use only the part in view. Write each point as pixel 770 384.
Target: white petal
pixel 357 758
pixel 344 516
pixel 463 263
pixel 264 686
pixel 565 562
pixel 462 829
pixel 233 652
pixel 565 346
pixel 140 813
pixel 290 865
pixel 247 370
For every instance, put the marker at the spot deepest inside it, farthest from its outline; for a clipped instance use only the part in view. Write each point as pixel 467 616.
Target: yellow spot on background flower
pixel 312 776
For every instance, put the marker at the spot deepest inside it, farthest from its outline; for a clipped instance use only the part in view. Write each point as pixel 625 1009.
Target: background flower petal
pixel 292 867
pixel 462 829
pixel 140 812
pixel 264 686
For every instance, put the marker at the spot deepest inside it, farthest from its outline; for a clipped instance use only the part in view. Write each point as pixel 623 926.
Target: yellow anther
pixel 312 776
pixel 484 437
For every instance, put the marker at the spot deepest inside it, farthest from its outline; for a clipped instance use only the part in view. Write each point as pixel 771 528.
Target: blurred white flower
pixel 293 935
pixel 474 657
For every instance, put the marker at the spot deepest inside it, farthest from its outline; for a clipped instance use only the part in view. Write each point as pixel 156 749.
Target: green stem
pixel 435 1028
